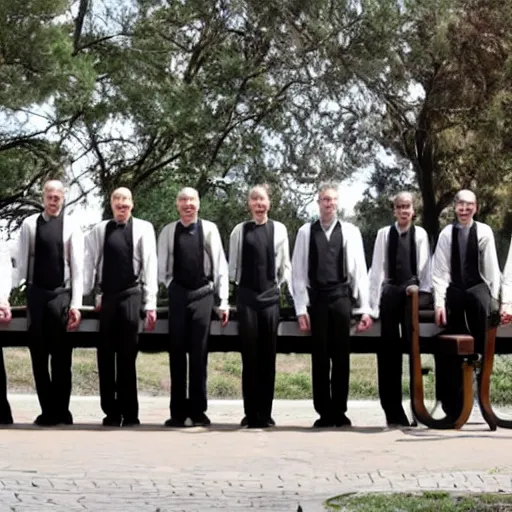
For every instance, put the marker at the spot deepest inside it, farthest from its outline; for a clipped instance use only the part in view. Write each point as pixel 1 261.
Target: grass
pixel 293 379
pixel 424 502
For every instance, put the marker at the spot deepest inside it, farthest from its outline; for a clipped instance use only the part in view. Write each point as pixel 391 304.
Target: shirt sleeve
pixel 150 262
pixel 441 269
pixel 5 274
pixel 300 273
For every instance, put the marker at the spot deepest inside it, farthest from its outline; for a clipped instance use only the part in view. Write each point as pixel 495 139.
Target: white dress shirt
pixel 488 258
pixel 213 247
pixel 379 269
pixel 506 284
pixel 5 273
pixel 73 240
pixel 355 262
pixel 145 265
pixel 281 254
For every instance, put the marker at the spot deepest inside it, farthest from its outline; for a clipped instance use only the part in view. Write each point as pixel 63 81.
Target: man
pixel 5 318
pixel 259 262
pixel 193 267
pixel 328 273
pixel 401 257
pixel 466 279
pixel 121 260
pixel 51 252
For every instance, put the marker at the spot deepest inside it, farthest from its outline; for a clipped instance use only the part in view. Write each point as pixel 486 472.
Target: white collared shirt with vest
pixel 145 265
pixel 379 270
pixel 488 262
pixel 355 262
pixel 281 254
pixel 73 240
pixel 212 246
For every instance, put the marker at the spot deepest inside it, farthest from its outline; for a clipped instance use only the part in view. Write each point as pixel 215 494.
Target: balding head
pixel 53 197
pixel 121 202
pixel 465 206
pixel 187 202
pixel 259 203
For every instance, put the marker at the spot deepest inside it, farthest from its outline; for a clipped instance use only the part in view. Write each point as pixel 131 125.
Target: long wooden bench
pixel 426 338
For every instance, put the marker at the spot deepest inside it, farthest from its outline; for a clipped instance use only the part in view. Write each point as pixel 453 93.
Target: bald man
pixel 466 279
pixel 50 260
pixel 193 267
pixel 121 263
pixel 401 257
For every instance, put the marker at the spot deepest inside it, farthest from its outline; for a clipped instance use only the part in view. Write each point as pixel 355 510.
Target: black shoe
pixel 323 422
pixel 130 422
pixel 6 419
pixel 244 422
pixel 200 420
pixel 397 420
pixel 172 422
pixel 111 421
pixel 65 419
pixel 45 420
pixel 342 421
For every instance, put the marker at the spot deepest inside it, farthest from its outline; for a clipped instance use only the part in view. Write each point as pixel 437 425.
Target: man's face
pixel 259 204
pixel 404 211
pixel 53 200
pixel 328 203
pixel 188 206
pixel 465 208
pixel 122 205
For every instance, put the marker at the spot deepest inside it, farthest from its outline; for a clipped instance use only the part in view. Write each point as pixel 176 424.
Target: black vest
pixel 326 257
pixel 469 275
pixel 48 272
pixel 118 273
pixel 188 265
pixel 402 257
pixel 250 277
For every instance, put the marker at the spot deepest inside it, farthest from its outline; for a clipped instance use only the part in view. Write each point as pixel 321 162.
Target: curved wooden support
pixel 419 409
pixel 484 383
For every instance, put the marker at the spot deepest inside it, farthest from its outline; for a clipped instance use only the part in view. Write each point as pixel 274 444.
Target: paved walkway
pixel 289 468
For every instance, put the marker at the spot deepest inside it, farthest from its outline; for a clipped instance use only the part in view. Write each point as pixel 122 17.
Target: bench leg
pixel 420 411
pixel 484 384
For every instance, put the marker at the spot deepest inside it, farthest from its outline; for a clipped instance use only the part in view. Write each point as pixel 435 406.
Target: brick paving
pixel 149 468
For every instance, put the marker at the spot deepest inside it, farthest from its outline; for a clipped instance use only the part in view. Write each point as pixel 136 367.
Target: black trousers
pixel 330 355
pixel 393 316
pixel 5 408
pixel 48 320
pixel 467 311
pixel 120 318
pixel 189 328
pixel 257 328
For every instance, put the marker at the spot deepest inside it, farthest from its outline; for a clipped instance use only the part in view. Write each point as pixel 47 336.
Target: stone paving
pixel 224 467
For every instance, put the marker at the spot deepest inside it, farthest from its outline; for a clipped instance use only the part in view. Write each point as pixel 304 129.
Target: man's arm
pixel 150 267
pixel 300 273
pixel 377 272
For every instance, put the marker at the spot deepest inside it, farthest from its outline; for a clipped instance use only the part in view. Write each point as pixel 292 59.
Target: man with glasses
pixel 466 280
pixel 401 257
pixel 329 277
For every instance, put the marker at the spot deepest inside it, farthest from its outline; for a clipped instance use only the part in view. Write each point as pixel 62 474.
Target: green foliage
pixel 426 501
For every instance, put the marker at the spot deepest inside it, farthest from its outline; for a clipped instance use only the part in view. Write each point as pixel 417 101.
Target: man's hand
pixel 150 320
pixel 304 323
pixel 440 317
pixel 74 318
pixel 223 316
pixel 365 323
pixel 505 316
pixel 5 314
